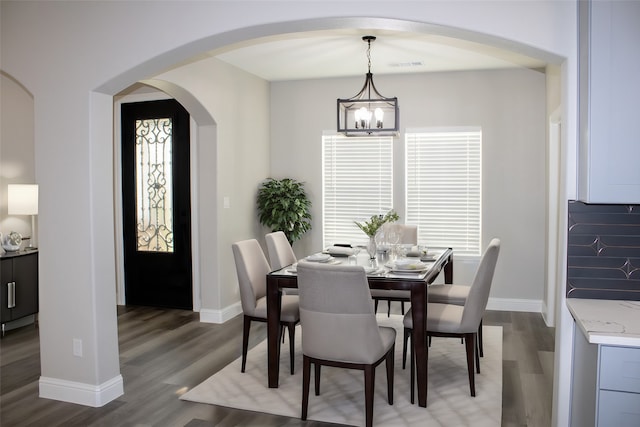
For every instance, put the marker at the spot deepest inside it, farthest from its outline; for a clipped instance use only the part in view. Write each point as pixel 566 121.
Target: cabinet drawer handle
pixel 11 294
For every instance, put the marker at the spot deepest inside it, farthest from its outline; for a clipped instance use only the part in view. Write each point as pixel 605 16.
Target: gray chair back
pixel 478 297
pixel 252 269
pixel 336 314
pixel 408 233
pixel 279 249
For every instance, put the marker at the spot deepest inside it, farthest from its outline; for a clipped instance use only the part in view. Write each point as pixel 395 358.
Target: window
pixel 154 195
pixel 443 187
pixel 357 182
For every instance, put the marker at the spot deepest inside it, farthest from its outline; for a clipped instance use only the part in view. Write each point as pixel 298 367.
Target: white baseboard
pixel 513 304
pixel 549 318
pixel 81 393
pixel 220 316
pixel 498 304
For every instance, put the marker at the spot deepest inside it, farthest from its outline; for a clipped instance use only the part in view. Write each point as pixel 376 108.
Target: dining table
pixel 380 275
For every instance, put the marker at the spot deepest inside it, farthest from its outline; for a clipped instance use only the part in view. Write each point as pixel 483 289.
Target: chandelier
pixel 368 112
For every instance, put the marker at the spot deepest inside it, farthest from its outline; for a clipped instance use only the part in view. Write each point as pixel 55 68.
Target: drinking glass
pixel 393 238
pixel 356 251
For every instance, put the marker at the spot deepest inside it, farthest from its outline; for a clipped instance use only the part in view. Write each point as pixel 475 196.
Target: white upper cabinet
pixel 609 101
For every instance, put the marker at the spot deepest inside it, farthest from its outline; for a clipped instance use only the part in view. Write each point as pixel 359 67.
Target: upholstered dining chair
pixel 252 269
pixel 408 236
pixel 450 294
pixel 456 295
pixel 408 232
pixel 339 328
pixel 279 249
pixel 280 254
pixel 450 320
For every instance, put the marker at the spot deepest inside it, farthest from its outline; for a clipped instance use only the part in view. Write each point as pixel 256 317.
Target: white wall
pixel 215 94
pixel 509 106
pixel 77 59
pixel 230 165
pixel 17 155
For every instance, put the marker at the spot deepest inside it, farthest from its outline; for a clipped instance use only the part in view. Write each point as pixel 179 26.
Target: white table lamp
pixel 23 200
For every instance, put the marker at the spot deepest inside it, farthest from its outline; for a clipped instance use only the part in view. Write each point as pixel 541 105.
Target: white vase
pixel 372 247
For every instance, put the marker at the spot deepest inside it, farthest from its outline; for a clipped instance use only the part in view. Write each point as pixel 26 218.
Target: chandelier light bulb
pixel 357 115
pixel 362 117
pixel 379 116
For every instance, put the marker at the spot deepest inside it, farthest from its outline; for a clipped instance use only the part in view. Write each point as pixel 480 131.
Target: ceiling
pixel 343 53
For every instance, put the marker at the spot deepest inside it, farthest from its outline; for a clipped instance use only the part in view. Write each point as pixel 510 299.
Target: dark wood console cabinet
pixel 18 285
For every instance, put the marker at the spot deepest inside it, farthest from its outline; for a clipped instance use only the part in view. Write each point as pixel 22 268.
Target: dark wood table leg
pixel 273 335
pixel 448 270
pixel 419 338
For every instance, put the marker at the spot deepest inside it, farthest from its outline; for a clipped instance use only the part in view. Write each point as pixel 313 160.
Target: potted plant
pixel 283 205
pixel 372 226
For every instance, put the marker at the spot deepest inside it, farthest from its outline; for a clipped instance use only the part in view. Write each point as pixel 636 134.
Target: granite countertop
pixel 607 322
pixel 5 254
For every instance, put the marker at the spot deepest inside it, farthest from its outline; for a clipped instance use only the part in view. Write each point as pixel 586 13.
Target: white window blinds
pixel 443 188
pixel 357 182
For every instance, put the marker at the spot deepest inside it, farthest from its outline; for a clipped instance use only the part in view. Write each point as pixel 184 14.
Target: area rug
pixel 341 397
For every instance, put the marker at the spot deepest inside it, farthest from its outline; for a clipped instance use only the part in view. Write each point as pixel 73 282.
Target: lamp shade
pixel 22 199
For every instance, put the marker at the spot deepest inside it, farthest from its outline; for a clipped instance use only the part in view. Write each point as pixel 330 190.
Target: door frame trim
pixel 554 202
pixel 117 165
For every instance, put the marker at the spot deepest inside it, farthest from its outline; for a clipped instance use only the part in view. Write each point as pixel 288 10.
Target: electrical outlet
pixel 77 347
pixel 226 202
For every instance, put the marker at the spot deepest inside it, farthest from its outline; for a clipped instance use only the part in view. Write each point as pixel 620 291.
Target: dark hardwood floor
pixel 157 344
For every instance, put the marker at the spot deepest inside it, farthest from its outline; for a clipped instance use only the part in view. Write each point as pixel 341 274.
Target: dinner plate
pixel 339 251
pixel 319 257
pixel 414 254
pixel 395 271
pixel 293 268
pixel 408 267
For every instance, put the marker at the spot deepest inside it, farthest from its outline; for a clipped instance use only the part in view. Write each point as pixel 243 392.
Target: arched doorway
pixel 219 281
pixel 202 133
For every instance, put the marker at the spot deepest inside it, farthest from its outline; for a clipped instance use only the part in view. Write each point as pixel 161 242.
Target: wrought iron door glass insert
pixel 154 195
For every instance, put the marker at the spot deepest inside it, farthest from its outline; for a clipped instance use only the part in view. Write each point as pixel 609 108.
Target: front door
pixel 156 204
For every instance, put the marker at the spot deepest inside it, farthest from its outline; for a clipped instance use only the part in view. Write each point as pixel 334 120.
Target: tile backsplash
pixel 603 251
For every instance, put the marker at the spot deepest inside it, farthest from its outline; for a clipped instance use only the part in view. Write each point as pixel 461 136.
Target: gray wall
pixel 17 157
pixel 509 105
